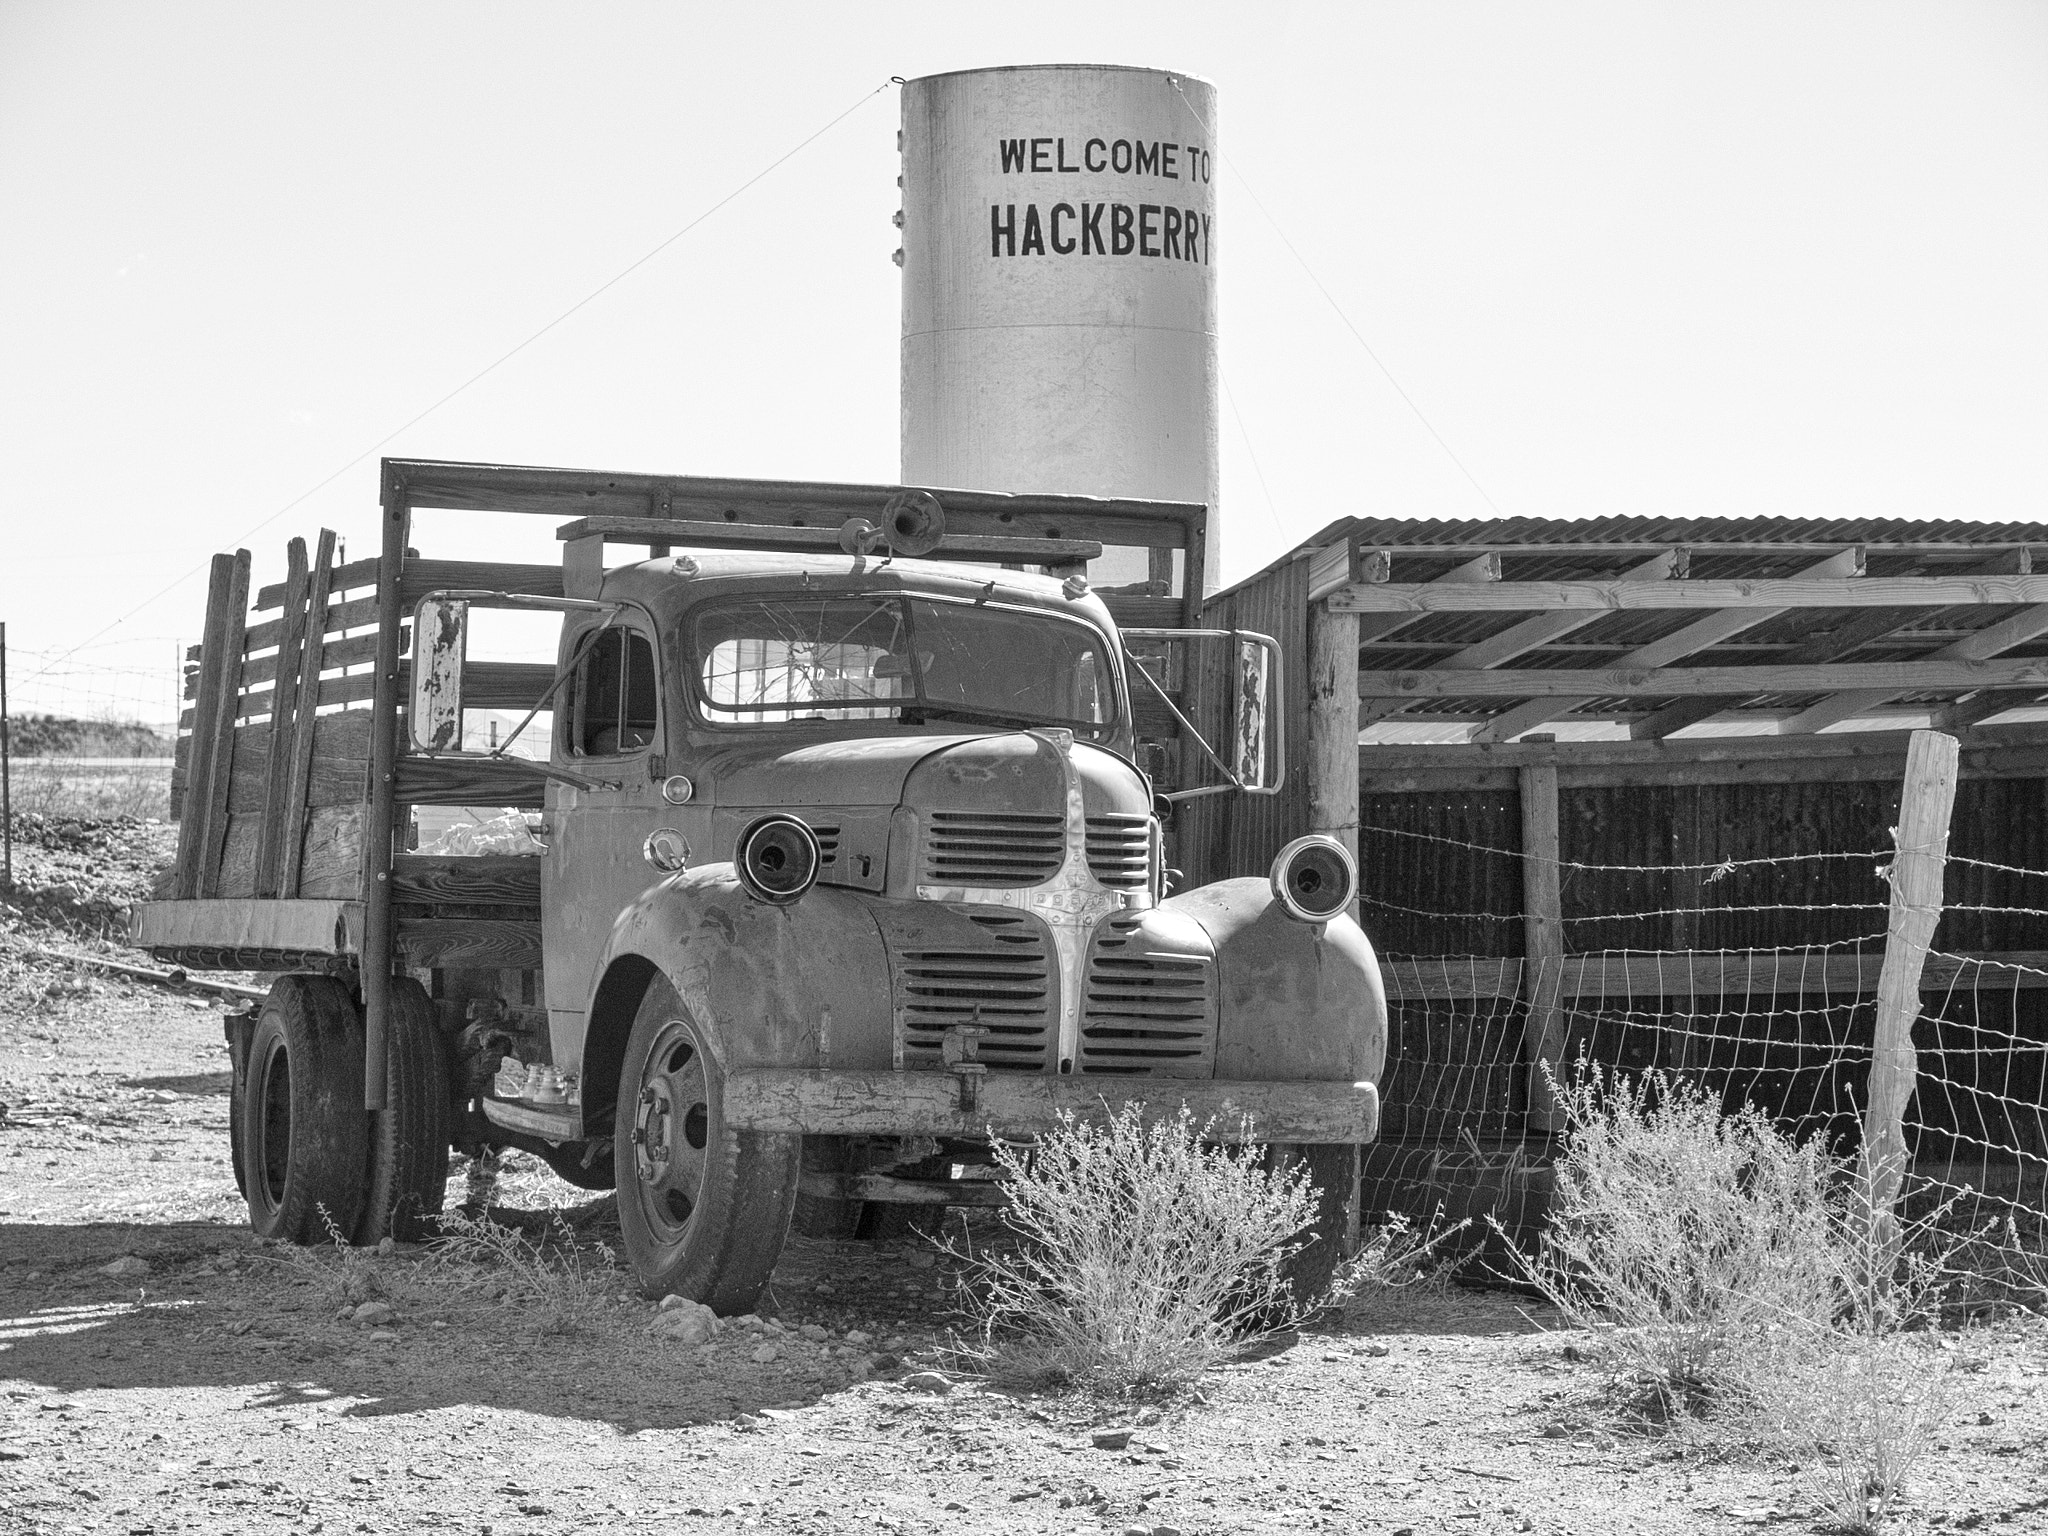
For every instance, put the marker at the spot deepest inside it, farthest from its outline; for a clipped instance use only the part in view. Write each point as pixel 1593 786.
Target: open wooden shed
pixel 1623 789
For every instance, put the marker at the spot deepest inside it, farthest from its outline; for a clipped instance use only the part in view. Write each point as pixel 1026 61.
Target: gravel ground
pixel 159 1371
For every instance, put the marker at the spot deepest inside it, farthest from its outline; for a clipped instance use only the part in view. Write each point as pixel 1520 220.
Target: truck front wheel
pixel 703 1209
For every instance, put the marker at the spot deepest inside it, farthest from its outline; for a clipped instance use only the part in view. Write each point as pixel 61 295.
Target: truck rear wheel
pixel 304 1136
pixel 703 1209
pixel 407 1177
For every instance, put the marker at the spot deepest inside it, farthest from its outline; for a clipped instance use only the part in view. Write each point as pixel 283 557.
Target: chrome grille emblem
pixel 1071 902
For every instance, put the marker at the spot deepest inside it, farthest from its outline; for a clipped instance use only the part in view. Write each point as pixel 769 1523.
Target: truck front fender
pixel 770 986
pixel 1297 1001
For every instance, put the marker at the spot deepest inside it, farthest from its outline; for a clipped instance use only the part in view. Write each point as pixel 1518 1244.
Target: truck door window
pixel 612 705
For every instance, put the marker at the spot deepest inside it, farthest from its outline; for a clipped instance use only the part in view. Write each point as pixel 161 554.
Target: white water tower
pixel 1059 285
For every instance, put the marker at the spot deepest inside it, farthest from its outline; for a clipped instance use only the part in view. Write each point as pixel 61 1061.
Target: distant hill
pixel 55 736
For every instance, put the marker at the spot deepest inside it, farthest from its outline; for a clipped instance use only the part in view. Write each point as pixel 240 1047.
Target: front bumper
pixel 1006 1104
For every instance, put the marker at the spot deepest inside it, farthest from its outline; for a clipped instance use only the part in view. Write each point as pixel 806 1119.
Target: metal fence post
pixel 1926 797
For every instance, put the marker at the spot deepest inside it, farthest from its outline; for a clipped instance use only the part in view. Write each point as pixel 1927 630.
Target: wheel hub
pixel 652 1127
pixel 671 1127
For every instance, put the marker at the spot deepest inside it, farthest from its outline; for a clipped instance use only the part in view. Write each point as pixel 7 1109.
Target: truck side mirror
pixel 1234 688
pixel 440 631
pixel 1252 679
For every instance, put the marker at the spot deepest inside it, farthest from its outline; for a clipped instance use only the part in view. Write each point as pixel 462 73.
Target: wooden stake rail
pixel 705 535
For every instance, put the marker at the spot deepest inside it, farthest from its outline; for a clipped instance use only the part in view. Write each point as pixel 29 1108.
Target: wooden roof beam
pixel 1890 677
pixel 1864 629
pixel 1629 592
pixel 2028 624
pixel 1376 626
pixel 1520 638
pixel 1700 635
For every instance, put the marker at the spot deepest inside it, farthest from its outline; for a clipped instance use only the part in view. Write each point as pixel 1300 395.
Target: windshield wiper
pixel 918 714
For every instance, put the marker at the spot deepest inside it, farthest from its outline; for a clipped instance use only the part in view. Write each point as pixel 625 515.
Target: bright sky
pixel 1706 259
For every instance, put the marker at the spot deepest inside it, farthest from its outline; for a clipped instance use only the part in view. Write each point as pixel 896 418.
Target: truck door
pixel 608 727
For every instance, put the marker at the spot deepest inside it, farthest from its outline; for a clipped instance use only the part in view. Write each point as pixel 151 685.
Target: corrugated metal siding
pixel 1221 836
pixel 1441 874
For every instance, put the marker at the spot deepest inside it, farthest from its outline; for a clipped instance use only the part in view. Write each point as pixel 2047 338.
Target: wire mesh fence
pixel 1755 977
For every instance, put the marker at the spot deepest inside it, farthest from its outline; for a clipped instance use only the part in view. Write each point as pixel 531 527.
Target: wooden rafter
pixel 2028 624
pixel 1700 635
pixel 1865 628
pixel 1623 594
pixel 1519 639
pixel 1894 677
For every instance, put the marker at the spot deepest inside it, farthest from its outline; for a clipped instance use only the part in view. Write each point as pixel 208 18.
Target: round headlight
pixel 1314 878
pixel 777 858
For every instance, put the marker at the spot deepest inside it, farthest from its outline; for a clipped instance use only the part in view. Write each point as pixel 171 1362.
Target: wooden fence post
pixel 1925 800
pixel 1333 763
pixel 1542 942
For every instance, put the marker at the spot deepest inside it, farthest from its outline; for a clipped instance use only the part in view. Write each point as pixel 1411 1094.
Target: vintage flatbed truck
pixel 847 856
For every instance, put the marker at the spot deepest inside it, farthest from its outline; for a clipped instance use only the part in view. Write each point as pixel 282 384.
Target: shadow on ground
pixel 215 1310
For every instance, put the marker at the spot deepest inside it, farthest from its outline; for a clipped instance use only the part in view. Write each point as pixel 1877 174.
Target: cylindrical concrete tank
pixel 1059 284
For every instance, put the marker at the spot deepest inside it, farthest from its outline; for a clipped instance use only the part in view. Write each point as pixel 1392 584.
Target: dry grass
pixel 1740 1293
pixel 58 787
pixel 554 1282
pixel 1135 1256
pixel 1395 1255
pixel 1690 1243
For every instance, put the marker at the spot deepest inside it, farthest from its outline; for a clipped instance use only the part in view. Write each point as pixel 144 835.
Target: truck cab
pixel 845 856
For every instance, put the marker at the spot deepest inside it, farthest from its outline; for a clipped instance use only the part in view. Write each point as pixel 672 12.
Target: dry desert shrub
pixel 1134 1256
pixel 1741 1289
pixel 1689 1242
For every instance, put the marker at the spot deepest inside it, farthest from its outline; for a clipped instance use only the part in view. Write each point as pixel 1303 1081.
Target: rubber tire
pixel 1333 1168
pixel 567 1163
pixel 238 1060
pixel 304 1135
pixel 706 1223
pixel 888 1221
pixel 406 1177
pixel 821 1215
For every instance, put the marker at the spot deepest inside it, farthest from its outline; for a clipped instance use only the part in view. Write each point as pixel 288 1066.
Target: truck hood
pixel 1001 770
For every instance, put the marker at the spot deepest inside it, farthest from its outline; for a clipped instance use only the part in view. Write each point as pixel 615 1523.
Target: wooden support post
pixel 1542 942
pixel 1333 726
pixel 198 754
pixel 284 710
pixel 213 733
pixel 1925 799
pixel 377 916
pixel 291 810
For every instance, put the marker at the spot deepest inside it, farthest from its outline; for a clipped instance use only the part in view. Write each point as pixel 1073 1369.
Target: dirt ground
pixel 159 1371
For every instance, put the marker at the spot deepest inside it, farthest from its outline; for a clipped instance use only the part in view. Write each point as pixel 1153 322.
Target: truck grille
pixel 1120 850
pixel 1005 984
pixel 1143 1011
pixel 992 848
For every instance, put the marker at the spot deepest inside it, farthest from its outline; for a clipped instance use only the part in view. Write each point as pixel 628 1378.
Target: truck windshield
pixel 909 659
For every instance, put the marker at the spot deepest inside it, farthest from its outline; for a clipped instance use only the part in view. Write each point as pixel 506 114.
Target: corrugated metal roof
pixel 1480 532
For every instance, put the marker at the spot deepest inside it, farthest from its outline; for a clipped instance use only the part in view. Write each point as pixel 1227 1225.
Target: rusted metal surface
pixel 928 1103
